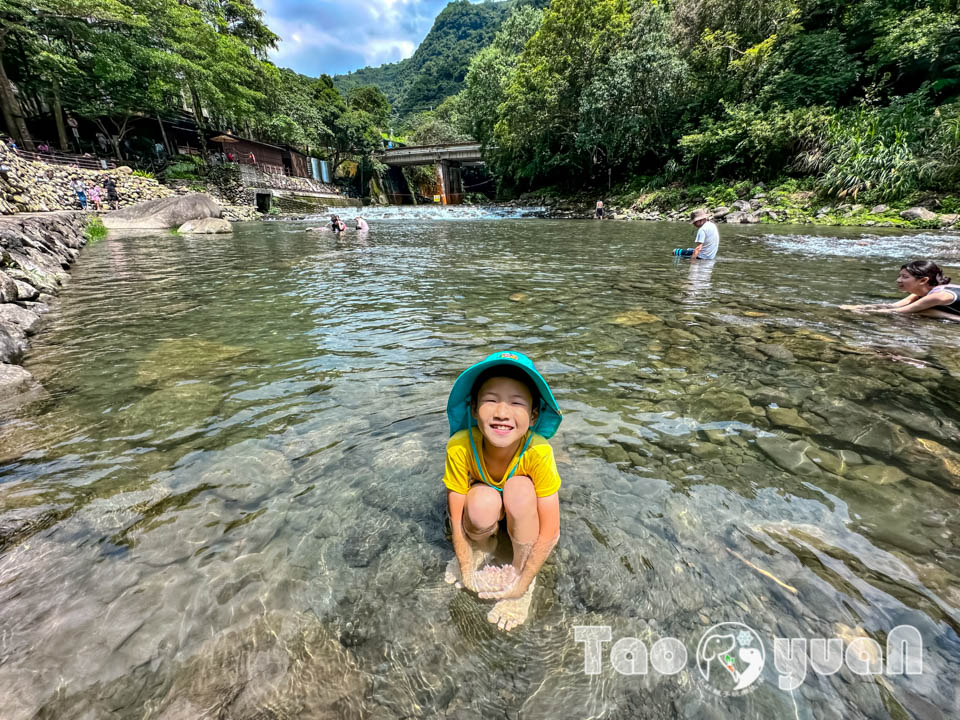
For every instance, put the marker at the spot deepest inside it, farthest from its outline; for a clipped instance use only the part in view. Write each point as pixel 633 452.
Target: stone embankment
pixel 30 186
pixel 35 252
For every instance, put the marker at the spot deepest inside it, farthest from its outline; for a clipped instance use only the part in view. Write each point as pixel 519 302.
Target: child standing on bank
pixel 499 468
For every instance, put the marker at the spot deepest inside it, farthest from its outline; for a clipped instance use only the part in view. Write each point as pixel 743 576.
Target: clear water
pixel 230 503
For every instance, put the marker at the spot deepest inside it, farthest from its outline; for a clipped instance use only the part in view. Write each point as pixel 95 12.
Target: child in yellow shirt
pixel 500 466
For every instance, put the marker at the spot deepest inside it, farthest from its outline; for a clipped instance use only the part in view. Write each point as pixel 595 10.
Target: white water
pixel 428 212
pixel 943 245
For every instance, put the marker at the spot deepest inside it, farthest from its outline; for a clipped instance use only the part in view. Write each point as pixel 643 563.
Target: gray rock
pixel 736 217
pixel 14 380
pixel 751 218
pixel 878 474
pixel 163 213
pixel 776 352
pixel 720 212
pixel 791 456
pixel 16 318
pixel 878 209
pixel 8 288
pixel 788 418
pixel 12 347
pixel 918 213
pixel 742 206
pixel 206 226
pixel 615 454
pixel 26 291
pixel 948 220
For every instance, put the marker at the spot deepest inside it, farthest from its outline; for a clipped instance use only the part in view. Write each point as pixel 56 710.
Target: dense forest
pixel 116 62
pixel 849 97
pixel 855 95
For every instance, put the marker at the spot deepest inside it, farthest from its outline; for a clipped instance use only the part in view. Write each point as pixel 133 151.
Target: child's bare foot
pixel 508 614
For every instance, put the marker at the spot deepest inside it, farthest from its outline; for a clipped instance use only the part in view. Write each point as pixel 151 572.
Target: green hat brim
pixel 458 404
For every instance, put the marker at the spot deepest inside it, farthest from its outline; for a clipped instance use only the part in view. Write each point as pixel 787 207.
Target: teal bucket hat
pixel 458 404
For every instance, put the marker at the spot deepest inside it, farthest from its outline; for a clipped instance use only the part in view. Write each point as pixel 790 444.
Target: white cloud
pixel 335 36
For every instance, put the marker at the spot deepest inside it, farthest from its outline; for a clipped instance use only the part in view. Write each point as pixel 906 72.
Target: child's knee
pixel 519 496
pixel 482 510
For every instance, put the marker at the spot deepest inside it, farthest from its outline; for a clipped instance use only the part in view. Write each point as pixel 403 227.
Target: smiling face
pixel 504 411
pixel 912 285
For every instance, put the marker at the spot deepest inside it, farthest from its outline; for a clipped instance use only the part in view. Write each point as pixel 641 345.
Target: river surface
pixel 230 506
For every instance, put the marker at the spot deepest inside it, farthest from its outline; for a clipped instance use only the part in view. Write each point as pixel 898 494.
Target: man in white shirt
pixel 708 237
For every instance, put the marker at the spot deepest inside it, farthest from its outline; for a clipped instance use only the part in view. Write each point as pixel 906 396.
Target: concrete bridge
pixel 448 159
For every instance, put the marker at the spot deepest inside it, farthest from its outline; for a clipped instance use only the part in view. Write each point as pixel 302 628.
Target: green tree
pixel 37 25
pixel 447 124
pixel 354 133
pixel 537 131
pixel 630 109
pixel 490 71
pixel 372 101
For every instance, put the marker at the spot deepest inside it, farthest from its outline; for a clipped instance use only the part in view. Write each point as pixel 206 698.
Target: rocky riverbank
pixel 744 203
pixel 35 253
pixel 29 186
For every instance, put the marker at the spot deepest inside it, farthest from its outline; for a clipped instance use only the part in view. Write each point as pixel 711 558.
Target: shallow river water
pixel 230 505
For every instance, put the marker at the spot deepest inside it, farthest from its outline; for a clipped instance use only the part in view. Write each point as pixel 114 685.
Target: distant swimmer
pixel 336 224
pixel 361 224
pixel 708 238
pixel 930 293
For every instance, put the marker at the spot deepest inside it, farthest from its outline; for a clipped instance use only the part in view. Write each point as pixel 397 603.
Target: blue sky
pixel 336 36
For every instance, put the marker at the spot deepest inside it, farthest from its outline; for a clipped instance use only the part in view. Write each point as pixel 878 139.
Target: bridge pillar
pixel 449 184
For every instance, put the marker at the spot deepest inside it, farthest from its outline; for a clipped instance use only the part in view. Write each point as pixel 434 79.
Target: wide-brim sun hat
pixel 699 214
pixel 458 404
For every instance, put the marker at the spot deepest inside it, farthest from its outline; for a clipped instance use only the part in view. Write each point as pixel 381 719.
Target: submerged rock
pixel 788 418
pixel 878 474
pixel 791 456
pixel 181 405
pixel 206 226
pixel 637 316
pixel 184 359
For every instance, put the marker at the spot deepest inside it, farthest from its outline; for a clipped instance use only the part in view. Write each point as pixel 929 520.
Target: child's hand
pixel 509 584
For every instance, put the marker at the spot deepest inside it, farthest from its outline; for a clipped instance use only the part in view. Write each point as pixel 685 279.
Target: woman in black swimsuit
pixel 930 293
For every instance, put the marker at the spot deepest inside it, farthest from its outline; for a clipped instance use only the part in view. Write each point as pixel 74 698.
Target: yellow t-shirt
pixel 537 464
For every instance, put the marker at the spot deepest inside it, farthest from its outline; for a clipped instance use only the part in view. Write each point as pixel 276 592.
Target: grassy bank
pixel 788 201
pixel 95 230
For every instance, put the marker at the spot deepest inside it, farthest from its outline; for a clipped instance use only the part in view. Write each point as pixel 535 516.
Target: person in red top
pixel 252 158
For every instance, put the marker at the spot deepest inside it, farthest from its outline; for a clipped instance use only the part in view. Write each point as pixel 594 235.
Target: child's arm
pixel 884 307
pixel 928 302
pixel 548 510
pixel 461 546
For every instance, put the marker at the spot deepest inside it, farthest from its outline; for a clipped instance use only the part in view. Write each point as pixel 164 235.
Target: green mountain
pixel 437 69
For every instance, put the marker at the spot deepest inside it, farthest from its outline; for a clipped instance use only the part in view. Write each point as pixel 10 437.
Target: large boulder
pixel 918 213
pixel 163 213
pixel 206 226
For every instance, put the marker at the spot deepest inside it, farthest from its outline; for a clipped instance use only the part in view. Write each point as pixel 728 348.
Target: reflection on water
pixel 698 280
pixel 230 503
